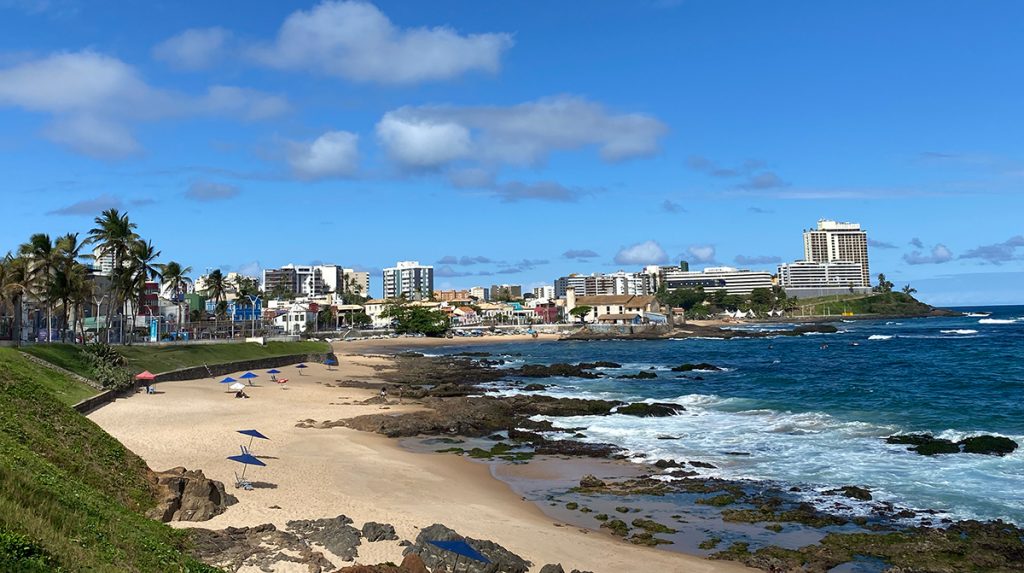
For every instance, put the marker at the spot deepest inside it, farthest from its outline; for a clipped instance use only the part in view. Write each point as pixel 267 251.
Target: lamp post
pixel 253 299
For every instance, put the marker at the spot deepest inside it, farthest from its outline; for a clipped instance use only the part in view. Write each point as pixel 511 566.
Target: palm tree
pixel 217 288
pixel 41 255
pixel 113 236
pixel 176 280
pixel 68 274
pixel 12 291
pixel 140 268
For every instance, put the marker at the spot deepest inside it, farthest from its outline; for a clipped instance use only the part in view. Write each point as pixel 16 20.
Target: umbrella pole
pixel 251 438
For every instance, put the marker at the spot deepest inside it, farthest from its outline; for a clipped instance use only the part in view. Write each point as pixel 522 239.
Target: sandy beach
pixel 315 473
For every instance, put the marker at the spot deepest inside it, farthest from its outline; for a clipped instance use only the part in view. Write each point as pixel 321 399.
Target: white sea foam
pixel 999 321
pixel 880 337
pixel 959 331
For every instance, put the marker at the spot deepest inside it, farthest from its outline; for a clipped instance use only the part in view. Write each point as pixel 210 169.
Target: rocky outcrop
pixel 185 495
pixel 558 369
pixel 852 492
pixel 644 375
pixel 334 534
pixel 437 559
pixel 374 531
pixel 650 410
pixel 928 445
pixel 704 366
pixel 261 547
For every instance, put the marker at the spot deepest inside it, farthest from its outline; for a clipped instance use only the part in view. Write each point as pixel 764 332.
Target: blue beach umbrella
pixel 249 376
pixel 330 362
pixel 461 549
pixel 300 367
pixel 228 380
pixel 252 435
pixel 246 459
pixel 273 371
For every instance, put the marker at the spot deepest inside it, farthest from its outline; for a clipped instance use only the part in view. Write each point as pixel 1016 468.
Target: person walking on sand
pixel 384 394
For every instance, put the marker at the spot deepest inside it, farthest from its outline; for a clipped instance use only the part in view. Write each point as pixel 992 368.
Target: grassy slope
pixel 71 489
pixel 59 386
pixel 893 303
pixel 158 359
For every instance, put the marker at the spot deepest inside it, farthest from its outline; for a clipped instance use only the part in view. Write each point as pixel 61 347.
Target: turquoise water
pixel 790 411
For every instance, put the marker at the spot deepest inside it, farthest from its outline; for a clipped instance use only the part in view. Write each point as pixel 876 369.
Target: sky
pixel 516 142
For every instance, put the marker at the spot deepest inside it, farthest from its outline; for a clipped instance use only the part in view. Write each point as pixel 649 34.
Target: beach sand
pixel 316 473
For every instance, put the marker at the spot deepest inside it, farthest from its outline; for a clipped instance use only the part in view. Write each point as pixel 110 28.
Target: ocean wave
pixel 880 337
pixel 999 321
pixel 959 331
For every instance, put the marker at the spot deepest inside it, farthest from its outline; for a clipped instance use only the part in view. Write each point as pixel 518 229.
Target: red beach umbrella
pixel 146 375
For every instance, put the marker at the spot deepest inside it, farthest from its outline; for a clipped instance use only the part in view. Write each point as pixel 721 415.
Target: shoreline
pixel 314 473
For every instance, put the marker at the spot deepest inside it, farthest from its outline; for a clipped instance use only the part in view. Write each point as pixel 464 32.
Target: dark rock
pixel 335 534
pixel 617 527
pixel 652 526
pixel 544 446
pixel 261 547
pixel 552 568
pixel 599 364
pixel 925 444
pixel 558 369
pixel 590 481
pixel 664 464
pixel 698 464
pixel 852 492
pixel 699 366
pixel 652 410
pixel 668 437
pixel 374 531
pixel 437 559
pixel 534 387
pixel 413 564
pixel 988 445
pixel 640 376
pixel 188 496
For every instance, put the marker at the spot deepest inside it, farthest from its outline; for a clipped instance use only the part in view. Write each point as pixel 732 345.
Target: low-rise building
pixel 295 318
pixel 713 279
pixel 615 308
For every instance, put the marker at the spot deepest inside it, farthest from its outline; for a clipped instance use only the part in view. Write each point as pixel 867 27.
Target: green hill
pixel 884 304
pixel 71 496
pixel 159 359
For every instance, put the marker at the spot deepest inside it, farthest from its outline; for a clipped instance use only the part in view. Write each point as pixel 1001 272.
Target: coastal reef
pixel 928 445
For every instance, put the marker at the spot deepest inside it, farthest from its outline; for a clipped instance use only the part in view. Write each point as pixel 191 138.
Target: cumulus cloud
pixel 447 271
pixel 524 134
pixel 579 254
pixel 939 254
pixel 881 244
pixel 210 191
pixel 915 242
pixel 670 206
pixel 94 101
pixel 89 206
pixel 702 253
pixel 356 41
pixel 757 260
pixel 645 253
pixel 333 154
pixel 523 265
pixel 514 191
pixel 997 253
pixel 193 49
pixel 751 172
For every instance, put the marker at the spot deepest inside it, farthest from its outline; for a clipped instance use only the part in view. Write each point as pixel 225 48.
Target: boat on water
pixel 977 314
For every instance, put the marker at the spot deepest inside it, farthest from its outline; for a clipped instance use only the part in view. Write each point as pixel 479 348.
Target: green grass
pixel 159 359
pixel 67 390
pixel 71 496
pixel 893 303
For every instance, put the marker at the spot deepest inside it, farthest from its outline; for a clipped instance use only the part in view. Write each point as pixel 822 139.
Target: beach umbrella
pixel 228 380
pixel 252 435
pixel 461 549
pixel 237 386
pixel 246 459
pixel 300 367
pixel 249 376
pixel 273 371
pixel 146 375
pixel 330 362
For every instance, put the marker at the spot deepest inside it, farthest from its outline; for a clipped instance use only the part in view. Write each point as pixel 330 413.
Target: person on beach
pixel 384 393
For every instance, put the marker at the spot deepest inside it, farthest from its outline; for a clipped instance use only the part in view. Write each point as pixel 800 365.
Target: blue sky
pixel 520 141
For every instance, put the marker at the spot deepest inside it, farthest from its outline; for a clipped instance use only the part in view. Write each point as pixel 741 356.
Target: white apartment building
pixel 546 292
pixel 480 293
pixel 618 283
pixel 712 279
pixel 409 279
pixel 102 262
pixel 809 274
pixel 360 279
pixel 834 241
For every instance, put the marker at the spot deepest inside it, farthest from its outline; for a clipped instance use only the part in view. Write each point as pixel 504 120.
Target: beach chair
pixel 242 483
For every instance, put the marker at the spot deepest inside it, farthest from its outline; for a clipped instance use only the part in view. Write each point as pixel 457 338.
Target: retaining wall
pixel 215 370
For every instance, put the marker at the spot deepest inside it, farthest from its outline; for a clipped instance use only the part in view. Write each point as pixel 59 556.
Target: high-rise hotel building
pixel 409 279
pixel 833 241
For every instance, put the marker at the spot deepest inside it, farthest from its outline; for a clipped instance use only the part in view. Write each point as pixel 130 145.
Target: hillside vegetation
pixel 159 359
pixel 889 303
pixel 71 496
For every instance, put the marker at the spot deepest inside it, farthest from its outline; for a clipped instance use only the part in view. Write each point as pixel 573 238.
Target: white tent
pixel 237 386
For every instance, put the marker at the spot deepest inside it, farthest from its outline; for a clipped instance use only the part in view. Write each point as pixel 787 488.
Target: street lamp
pixel 253 299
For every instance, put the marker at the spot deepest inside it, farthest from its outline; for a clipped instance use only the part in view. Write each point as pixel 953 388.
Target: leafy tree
pixel 360 319
pixel 685 298
pixel 884 286
pixel 416 319
pixel 13 279
pixel 41 255
pixel 176 280
pixel 581 312
pixel 909 290
pixel 113 236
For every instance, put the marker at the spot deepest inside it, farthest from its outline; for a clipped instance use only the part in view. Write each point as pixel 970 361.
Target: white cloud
pixel 210 191
pixel 93 136
pixel 333 154
pixel 702 253
pixel 645 253
pixel 94 101
pixel 422 142
pixel 193 49
pixel 939 254
pixel 356 41
pixel 521 134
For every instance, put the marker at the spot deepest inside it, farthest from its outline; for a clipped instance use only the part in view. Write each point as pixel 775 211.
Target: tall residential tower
pixel 833 241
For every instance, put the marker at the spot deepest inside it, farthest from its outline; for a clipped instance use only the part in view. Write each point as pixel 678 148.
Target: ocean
pixel 789 411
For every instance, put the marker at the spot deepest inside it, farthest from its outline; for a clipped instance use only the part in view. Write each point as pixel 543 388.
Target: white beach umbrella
pixel 237 386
